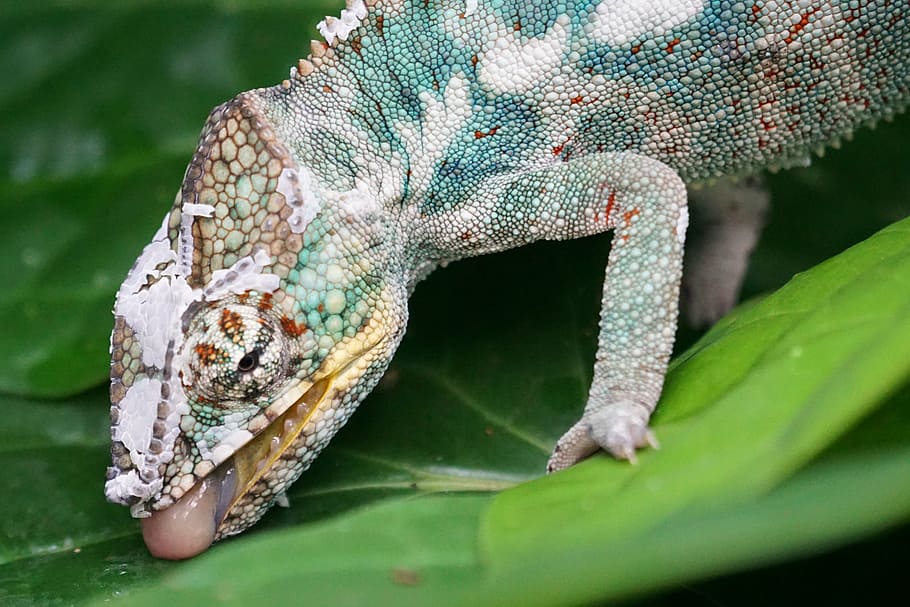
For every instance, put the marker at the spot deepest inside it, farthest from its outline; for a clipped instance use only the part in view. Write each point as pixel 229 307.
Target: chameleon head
pixel 244 336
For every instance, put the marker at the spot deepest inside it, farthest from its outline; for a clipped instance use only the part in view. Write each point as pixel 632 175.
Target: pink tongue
pixel 186 528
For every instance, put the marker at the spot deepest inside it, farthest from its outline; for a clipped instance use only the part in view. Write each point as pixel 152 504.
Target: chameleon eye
pixel 249 362
pixel 235 352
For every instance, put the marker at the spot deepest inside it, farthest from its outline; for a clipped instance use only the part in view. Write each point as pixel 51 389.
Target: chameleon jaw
pixel 194 522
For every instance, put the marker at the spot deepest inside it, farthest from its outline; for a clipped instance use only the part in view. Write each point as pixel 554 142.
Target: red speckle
pixel 628 215
pixel 490 133
pixel 611 202
pixel 557 150
pixel 796 29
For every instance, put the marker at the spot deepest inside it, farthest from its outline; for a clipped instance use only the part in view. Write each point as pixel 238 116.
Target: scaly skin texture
pixel 424 131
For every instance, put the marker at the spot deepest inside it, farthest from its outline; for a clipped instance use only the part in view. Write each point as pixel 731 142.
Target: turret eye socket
pixel 249 362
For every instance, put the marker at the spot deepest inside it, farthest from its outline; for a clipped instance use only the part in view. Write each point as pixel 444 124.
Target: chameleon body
pixel 419 132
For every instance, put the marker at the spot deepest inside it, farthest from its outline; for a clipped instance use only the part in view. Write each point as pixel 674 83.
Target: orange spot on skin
pixel 380 25
pixel 557 150
pixel 320 308
pixel 636 48
pixel 231 325
pixel 292 328
pixel 209 354
pixel 669 48
pixel 576 100
pixel 265 303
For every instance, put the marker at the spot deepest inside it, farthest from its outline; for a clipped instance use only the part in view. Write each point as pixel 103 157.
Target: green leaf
pixel 743 409
pixel 101 109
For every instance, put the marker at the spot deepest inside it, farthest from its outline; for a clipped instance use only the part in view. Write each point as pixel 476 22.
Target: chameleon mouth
pixel 189 526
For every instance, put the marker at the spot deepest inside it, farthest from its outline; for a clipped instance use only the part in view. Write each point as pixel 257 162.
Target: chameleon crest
pixel 420 132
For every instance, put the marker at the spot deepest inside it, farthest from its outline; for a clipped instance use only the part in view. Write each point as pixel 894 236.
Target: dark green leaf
pixel 743 409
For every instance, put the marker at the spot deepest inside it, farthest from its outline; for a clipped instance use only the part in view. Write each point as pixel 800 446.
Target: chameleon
pixel 420 132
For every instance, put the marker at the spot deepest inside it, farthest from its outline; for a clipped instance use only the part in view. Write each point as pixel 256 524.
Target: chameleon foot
pixel 619 429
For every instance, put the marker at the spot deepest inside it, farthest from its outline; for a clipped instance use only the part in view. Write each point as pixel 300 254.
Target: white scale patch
pixel 153 313
pixel 190 211
pixel 124 486
pixel 514 65
pixel 682 224
pixel 340 28
pixel 246 274
pixel 198 210
pixel 442 121
pixel 470 6
pixel 425 142
pixel 138 411
pixel 297 188
pixel 621 22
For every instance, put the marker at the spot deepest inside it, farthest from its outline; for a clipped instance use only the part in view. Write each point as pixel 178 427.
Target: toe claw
pixel 627 452
pixel 651 440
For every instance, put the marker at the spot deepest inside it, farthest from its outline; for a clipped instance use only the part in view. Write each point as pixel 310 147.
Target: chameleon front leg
pixel 644 202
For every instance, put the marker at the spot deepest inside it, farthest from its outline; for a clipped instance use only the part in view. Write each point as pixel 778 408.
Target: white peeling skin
pixel 246 274
pixel 188 527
